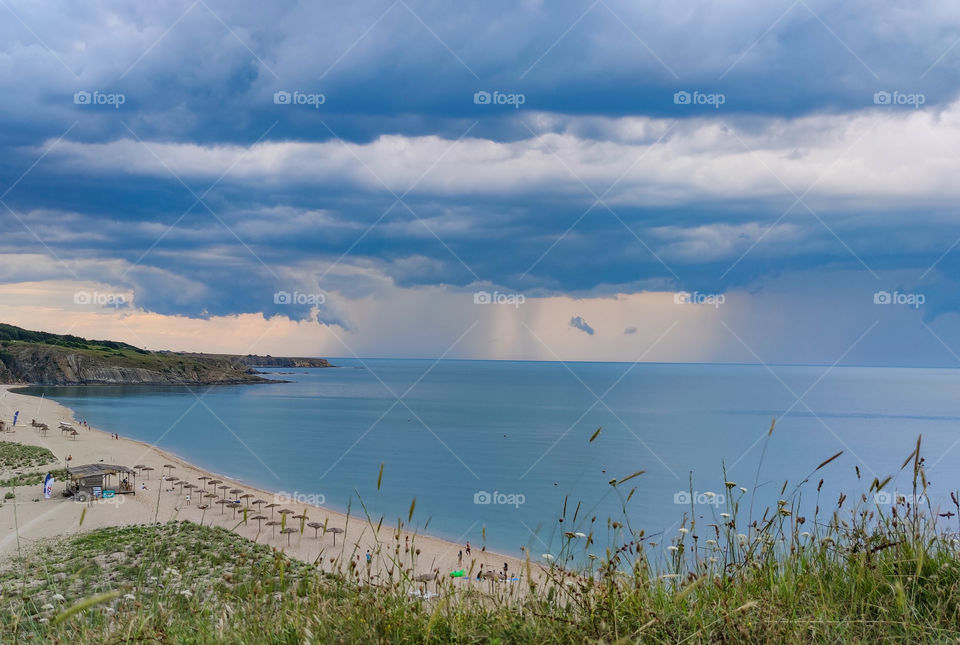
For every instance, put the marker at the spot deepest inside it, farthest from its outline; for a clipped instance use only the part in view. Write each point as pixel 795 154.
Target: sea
pixel 516 455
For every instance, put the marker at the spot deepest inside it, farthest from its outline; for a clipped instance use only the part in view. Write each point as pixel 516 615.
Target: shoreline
pixel 226 477
pixel 45 518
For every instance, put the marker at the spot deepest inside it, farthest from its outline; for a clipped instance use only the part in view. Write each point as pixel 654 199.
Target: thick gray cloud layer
pixel 207 155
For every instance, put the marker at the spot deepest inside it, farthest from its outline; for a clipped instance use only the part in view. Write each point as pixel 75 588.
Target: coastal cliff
pixel 41 358
pixel 253 360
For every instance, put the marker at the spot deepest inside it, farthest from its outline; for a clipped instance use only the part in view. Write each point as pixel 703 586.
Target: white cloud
pixel 877 158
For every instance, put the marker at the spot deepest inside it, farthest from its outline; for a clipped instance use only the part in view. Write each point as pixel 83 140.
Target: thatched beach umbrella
pixel 147 470
pixel 289 530
pixel 223 490
pixel 426 577
pixel 303 517
pixel 259 502
pixel 221 502
pixel 259 519
pixel 316 526
pixel 235 506
pixel 274 524
pixel 334 530
pixel 271 507
pixel 246 497
pixel 138 467
pixel 169 468
pixel 213 482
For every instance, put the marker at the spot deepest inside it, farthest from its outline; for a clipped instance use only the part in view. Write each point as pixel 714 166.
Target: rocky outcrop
pixel 253 360
pixel 45 358
pixel 52 365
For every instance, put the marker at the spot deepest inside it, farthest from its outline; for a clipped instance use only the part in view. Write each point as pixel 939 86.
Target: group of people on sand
pixel 503 575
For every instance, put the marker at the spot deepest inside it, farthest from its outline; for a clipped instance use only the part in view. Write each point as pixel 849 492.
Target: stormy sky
pixel 740 181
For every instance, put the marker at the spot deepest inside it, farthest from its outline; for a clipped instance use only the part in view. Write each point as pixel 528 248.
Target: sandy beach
pixel 26 521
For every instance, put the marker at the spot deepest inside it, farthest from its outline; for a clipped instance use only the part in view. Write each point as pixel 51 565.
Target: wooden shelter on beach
pixel 90 481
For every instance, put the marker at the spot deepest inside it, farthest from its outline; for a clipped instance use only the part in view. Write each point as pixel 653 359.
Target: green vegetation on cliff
pixel 53 359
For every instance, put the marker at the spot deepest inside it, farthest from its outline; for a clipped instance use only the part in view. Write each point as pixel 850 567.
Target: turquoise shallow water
pixel 519 431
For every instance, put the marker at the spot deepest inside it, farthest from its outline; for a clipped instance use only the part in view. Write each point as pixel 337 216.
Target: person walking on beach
pixel 460 559
pixel 369 558
pixel 468 548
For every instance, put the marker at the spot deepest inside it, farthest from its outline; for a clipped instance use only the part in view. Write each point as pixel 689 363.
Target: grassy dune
pixel 852 572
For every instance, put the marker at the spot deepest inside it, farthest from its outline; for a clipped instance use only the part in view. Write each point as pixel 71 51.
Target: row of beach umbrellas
pixel 234 505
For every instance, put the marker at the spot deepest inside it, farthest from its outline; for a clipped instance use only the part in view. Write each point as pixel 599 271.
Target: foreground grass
pixel 854 573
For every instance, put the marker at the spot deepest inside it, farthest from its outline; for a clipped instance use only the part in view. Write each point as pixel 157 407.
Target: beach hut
pixel 89 481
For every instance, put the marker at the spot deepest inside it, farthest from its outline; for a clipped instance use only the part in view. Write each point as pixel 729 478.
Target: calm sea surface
pixel 517 435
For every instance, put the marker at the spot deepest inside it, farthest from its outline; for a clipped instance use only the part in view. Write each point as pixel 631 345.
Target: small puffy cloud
pixel 577 322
